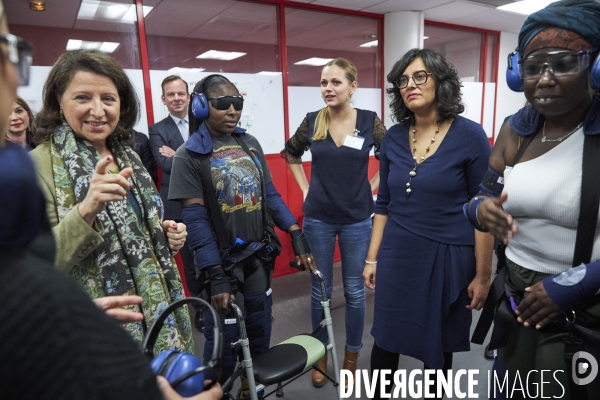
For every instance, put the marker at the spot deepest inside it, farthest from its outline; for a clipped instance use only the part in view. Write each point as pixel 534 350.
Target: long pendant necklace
pixel 413 172
pixel 560 139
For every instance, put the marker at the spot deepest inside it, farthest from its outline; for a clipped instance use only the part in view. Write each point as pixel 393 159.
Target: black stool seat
pixel 287 359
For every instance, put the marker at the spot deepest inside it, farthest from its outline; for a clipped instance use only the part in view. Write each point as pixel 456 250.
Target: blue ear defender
pixel 184 371
pixel 199 106
pixel 515 83
pixel 595 73
pixel 199 102
pixel 513 74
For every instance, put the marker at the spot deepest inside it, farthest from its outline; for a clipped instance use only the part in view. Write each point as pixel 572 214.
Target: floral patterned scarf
pixel 134 257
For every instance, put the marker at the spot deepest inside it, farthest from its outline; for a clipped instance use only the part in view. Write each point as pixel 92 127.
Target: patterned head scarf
pixel 568 24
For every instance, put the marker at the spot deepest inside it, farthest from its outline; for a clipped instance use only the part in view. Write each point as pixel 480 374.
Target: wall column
pixel 402 31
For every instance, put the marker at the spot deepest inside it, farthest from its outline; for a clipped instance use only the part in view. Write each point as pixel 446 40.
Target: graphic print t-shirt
pixel 236 181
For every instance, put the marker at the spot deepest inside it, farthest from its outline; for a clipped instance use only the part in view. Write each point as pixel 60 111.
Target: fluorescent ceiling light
pixel 118 8
pixel 268 73
pixel 315 61
pixel 106 47
pixel 374 43
pixel 526 7
pixel 74 44
pixel 109 47
pixel 221 55
pixel 107 10
pixel 189 70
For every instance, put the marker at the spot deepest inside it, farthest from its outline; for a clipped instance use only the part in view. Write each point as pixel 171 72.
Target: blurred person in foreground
pixel 54 342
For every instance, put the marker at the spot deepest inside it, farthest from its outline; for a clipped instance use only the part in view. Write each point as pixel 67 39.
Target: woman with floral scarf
pixel 102 203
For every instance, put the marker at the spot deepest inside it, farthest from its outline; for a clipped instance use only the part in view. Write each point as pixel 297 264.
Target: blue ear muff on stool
pixel 183 370
pixel 513 73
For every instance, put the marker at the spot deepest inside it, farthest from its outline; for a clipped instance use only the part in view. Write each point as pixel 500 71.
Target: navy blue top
pixel 23 210
pixel 444 182
pixel 340 192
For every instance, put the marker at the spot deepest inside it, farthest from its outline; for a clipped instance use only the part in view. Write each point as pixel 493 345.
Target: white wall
pixel 263 104
pixel 507 101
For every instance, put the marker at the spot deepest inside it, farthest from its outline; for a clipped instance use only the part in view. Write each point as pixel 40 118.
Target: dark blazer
pixel 166 133
pixel 142 148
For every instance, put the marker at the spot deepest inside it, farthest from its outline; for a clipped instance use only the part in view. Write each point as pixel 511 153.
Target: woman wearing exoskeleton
pixel 538 213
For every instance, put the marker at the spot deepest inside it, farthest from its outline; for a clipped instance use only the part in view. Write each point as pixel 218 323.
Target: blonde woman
pixel 339 202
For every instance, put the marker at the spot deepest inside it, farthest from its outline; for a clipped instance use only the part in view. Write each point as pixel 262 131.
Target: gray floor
pixel 291 311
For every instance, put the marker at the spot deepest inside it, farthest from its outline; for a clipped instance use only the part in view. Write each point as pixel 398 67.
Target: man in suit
pixel 142 148
pixel 165 138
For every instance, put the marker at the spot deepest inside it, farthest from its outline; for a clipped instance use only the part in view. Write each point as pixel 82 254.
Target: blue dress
pixel 427 259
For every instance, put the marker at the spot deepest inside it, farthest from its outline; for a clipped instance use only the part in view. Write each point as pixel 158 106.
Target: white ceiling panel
pixel 308 18
pixel 166 18
pixel 448 12
pixel 58 14
pixel 350 4
pixel 405 5
pixel 494 20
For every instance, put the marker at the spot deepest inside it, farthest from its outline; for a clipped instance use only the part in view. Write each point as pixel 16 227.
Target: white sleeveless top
pixel 543 198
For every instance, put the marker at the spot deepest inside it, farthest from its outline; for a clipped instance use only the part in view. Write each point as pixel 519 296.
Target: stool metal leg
pixel 326 304
pixel 247 358
pixel 279 392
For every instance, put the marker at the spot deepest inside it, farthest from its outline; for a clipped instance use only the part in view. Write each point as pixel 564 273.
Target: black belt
pixel 497 309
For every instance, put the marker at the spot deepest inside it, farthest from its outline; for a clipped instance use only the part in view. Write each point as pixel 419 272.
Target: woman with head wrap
pixel 537 211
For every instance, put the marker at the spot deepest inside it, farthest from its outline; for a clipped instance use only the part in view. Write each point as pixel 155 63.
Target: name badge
pixel 230 321
pixel 353 141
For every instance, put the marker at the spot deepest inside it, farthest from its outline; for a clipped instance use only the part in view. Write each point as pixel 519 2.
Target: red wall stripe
pixel 144 57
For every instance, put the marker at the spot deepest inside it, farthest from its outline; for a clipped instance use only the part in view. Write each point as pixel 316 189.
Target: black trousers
pixel 383 359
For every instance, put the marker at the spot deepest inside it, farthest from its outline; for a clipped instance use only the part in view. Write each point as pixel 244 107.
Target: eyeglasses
pixel 559 63
pixel 224 102
pixel 419 78
pixel 19 53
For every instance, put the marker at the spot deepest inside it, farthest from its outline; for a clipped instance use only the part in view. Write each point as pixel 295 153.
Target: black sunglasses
pixel 19 53
pixel 224 102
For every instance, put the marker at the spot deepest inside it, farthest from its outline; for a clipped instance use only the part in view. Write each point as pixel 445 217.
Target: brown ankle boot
pixel 350 364
pixel 318 379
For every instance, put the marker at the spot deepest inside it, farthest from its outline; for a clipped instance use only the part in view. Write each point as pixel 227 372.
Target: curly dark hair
pixel 448 101
pixel 207 86
pixel 95 62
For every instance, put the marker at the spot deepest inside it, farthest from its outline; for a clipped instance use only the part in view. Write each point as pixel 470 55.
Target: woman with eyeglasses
pixel 102 204
pixel 339 201
pixel 227 225
pixel 545 155
pixel 19 125
pixel 428 267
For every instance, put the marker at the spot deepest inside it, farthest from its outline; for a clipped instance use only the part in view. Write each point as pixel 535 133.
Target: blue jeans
pixel 354 242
